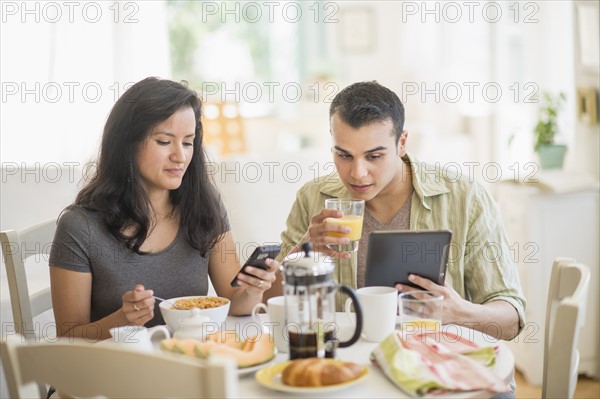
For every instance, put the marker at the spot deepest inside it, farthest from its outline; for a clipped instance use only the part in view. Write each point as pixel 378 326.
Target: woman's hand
pixel 138 305
pixel 317 234
pixel 256 280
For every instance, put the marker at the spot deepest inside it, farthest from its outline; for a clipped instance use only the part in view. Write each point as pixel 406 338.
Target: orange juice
pixel 421 326
pixel 354 222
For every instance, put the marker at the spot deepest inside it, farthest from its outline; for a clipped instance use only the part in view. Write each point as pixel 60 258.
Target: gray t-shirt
pixel 82 243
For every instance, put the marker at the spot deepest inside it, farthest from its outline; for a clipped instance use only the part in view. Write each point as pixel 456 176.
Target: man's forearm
pixel 498 319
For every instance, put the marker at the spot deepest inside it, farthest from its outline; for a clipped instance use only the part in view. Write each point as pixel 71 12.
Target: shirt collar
pixel 427 179
pixel 333 187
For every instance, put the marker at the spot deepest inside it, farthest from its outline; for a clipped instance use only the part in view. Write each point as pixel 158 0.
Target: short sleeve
pixel 71 245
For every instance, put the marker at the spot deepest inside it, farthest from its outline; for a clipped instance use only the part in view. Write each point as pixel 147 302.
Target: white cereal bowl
pixel 172 316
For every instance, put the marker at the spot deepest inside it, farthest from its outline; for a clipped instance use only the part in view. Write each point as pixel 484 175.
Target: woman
pixel 149 222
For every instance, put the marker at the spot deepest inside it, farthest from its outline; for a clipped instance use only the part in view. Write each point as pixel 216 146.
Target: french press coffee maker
pixel 309 289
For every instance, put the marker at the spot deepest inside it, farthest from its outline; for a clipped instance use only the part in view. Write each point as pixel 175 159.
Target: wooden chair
pixel 82 369
pixel 565 316
pixel 16 248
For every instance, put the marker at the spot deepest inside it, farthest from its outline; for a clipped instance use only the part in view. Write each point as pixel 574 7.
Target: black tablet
pixel 393 255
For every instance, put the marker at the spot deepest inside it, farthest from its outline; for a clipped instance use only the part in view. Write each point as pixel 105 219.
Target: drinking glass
pixel 420 311
pixel 353 212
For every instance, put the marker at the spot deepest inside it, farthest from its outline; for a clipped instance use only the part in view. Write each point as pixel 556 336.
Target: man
pixel 482 289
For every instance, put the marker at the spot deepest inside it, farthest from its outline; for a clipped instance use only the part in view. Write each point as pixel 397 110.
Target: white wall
pixel 63 66
pixel 586 141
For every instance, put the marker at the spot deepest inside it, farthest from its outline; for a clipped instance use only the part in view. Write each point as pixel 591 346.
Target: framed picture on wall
pixel 588 33
pixel 587 105
pixel 356 32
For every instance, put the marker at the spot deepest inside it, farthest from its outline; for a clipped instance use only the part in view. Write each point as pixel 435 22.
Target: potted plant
pixel 551 155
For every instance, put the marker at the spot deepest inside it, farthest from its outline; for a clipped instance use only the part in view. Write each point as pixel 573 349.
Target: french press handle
pixel 359 316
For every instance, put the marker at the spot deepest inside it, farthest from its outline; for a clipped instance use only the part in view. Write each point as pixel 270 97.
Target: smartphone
pixel 257 259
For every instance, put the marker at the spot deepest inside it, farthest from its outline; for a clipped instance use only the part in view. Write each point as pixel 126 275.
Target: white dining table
pixel 375 384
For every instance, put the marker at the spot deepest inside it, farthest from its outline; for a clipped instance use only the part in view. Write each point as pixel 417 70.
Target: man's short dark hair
pixel 363 103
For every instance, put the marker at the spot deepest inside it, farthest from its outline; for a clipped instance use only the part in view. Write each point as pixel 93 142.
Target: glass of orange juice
pixel 353 211
pixel 420 312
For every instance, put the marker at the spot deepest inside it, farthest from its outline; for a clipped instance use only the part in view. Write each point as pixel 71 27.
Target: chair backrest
pixel 565 316
pixel 16 248
pixel 82 369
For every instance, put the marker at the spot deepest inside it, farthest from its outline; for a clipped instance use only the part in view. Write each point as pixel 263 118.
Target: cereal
pixel 203 302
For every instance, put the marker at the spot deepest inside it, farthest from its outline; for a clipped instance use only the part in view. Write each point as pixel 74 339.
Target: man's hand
pixel 455 307
pixel 317 234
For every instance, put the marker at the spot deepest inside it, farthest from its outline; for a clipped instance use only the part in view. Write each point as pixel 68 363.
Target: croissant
pixel 315 372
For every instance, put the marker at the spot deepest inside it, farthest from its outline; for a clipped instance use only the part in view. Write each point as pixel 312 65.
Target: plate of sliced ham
pixel 453 361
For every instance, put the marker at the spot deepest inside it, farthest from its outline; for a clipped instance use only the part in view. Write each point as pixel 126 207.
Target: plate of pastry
pixel 311 375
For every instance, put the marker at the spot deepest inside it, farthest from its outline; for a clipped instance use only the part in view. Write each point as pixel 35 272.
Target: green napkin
pixel 419 364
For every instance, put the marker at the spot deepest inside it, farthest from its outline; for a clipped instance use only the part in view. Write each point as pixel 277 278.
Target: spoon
pixel 169 302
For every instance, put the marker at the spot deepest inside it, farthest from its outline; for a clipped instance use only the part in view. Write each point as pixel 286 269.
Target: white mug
pixel 275 309
pixel 138 337
pixel 379 308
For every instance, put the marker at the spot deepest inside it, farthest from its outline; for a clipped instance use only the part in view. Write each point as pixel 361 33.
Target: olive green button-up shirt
pixel 480 267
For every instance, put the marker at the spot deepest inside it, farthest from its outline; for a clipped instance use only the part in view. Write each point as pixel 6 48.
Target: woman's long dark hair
pixel 116 190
